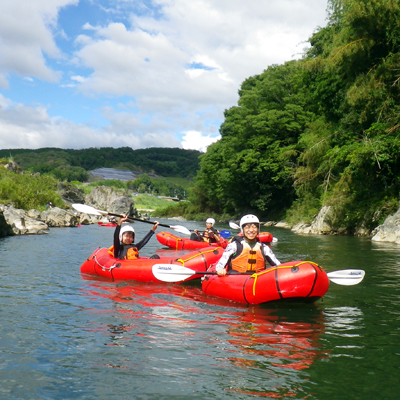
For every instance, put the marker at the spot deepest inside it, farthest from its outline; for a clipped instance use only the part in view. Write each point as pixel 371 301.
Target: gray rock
pixel 389 231
pixel 106 199
pixel 283 224
pixel 57 217
pixel 302 228
pixel 21 223
pixel 322 224
pixel 70 194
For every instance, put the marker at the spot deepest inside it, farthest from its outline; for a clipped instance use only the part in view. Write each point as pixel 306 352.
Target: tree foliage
pixel 73 165
pixel 250 168
pixel 323 130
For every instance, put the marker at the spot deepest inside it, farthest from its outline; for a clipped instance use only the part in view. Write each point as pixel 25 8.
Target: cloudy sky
pixel 139 73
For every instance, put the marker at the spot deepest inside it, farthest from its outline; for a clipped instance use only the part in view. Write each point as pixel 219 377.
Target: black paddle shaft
pixel 138 219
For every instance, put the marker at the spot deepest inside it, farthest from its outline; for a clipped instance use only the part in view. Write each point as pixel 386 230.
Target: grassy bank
pixel 28 192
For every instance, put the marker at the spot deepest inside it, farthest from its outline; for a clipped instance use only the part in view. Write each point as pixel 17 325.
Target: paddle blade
pixel 180 229
pixel 347 277
pixel 233 225
pixel 225 234
pixel 85 209
pixel 171 272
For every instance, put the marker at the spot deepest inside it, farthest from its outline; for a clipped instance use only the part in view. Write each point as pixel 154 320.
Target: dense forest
pixel 323 130
pixel 73 165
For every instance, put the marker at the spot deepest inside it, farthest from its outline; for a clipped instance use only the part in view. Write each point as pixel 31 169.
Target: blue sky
pixel 138 73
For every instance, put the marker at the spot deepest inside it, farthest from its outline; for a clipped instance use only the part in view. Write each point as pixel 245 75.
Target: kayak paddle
pixel 225 234
pixel 177 273
pixel 83 208
pixel 347 277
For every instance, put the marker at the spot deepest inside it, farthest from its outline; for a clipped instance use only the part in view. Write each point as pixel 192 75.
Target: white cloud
pixel 31 127
pixel 26 32
pixel 193 140
pixel 172 69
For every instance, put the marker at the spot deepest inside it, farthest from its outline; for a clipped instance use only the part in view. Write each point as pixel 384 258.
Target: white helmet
pixel 124 229
pixel 210 221
pixel 249 219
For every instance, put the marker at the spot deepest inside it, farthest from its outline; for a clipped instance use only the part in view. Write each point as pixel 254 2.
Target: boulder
pixel 302 228
pixel 389 231
pixel 57 217
pixel 69 193
pixel 322 224
pixel 5 229
pixel 86 219
pixel 283 224
pixel 21 223
pixel 106 199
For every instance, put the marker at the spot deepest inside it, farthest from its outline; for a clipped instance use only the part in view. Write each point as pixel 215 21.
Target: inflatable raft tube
pixel 302 281
pixel 178 243
pixel 103 265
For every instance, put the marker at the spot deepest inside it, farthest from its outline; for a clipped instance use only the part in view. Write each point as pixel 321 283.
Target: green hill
pixel 73 165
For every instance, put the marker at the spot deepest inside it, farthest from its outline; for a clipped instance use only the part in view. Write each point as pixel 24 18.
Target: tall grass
pixel 27 192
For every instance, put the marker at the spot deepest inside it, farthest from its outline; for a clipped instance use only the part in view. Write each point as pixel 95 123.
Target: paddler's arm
pixel 223 261
pixel 144 241
pixel 270 256
pixel 116 238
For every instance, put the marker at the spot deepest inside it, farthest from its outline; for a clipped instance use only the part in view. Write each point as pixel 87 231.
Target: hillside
pixel 319 131
pixel 70 165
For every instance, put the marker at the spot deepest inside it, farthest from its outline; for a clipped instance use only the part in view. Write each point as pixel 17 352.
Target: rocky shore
pixel 14 221
pixel 389 231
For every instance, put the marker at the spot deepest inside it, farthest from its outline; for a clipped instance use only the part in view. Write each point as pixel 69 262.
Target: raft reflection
pixel 180 330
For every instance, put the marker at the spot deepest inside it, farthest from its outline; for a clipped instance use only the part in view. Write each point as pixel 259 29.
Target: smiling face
pixel 250 231
pixel 127 238
pixel 208 225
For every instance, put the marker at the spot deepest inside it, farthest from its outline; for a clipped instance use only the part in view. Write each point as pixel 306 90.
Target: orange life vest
pixel 250 259
pixel 131 254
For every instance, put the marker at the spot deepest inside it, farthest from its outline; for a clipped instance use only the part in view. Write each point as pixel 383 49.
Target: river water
pixel 65 336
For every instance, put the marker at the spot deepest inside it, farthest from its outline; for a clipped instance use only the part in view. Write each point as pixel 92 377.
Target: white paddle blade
pixel 233 225
pixel 180 229
pixel 347 277
pixel 85 209
pixel 171 272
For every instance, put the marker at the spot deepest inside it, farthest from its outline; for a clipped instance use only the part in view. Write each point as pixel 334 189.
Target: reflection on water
pixel 64 337
pixel 212 336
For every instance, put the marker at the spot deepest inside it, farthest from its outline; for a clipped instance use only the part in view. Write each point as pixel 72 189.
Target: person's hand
pixel 123 218
pixel 221 272
pixel 196 231
pixel 156 223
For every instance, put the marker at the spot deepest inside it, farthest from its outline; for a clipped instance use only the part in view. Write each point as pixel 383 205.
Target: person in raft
pixel 246 254
pixel 210 234
pixel 124 247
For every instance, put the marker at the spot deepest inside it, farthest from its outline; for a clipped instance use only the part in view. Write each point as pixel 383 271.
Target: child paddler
pixel 246 254
pixel 124 246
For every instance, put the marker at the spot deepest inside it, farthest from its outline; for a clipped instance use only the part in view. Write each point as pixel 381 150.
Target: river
pixel 65 336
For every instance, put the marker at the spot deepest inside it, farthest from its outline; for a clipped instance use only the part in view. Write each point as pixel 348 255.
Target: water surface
pixel 65 336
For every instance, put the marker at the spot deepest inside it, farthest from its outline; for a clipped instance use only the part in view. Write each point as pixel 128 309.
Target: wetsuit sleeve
pixel 270 256
pixel 226 255
pixel 116 240
pixel 144 241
